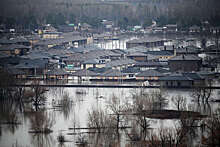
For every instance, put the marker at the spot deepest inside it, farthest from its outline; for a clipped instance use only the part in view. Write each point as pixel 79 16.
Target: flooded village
pixel 108 80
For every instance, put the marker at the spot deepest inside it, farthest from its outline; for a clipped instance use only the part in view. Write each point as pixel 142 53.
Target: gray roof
pixel 194 76
pixel 6 41
pixel 149 73
pixel 37 55
pixel 20 39
pixel 150 64
pixel 120 62
pixel 60 40
pixel 91 61
pixel 4 55
pixel 145 39
pixel 137 49
pixel 13 47
pixel 185 58
pixel 189 50
pixel 84 72
pixel 176 77
pixel 112 73
pixel 28 64
pixel 57 71
pixel 14 71
pixel 139 54
pixel 160 53
pixel 76 57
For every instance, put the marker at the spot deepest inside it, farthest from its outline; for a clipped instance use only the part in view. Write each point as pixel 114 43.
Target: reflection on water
pixel 67 108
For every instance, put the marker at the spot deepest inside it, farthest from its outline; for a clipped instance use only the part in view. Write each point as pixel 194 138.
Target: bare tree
pixel 212 128
pixel 41 122
pixel 202 93
pixel 179 102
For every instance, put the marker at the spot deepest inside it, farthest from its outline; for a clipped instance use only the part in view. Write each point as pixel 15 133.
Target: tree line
pixel 185 13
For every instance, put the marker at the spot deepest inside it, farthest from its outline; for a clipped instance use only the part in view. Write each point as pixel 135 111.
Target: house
pixel 120 64
pixel 4 41
pixel 194 29
pixel 170 28
pixel 65 28
pixel 14 49
pixel 182 80
pixel 92 63
pixel 85 27
pixel 149 42
pixel 188 50
pixel 149 75
pixel 74 61
pixel 66 41
pixel 158 30
pixel 215 30
pixel 186 63
pixel 57 74
pixel 36 67
pixel 150 65
pixel 212 50
pixel 131 72
pixel 84 74
pixel 16 73
pixel 138 56
pixel 51 35
pixel 112 75
pixel 22 41
pixel 162 55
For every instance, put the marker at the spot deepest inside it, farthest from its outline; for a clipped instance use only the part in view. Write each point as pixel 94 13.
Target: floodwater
pixel 75 115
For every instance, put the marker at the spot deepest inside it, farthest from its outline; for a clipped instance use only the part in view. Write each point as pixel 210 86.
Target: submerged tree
pixel 179 102
pixel 212 129
pixel 41 122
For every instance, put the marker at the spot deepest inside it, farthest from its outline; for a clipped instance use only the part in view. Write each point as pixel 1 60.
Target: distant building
pixel 146 42
pixel 57 74
pixel 171 28
pixel 14 50
pixel 51 35
pixel 150 75
pixel 185 63
pixel 182 80
pixel 194 29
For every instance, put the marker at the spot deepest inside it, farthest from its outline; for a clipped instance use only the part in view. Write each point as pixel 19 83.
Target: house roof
pixel 13 47
pixel 185 58
pixel 29 64
pixel 145 39
pixel 98 70
pixel 75 57
pixel 14 71
pixel 112 73
pixel 84 72
pixel 20 39
pixel 176 77
pixel 6 41
pixel 194 76
pixel 57 71
pixel 37 55
pixel 150 64
pixel 160 53
pixel 60 40
pixel 149 73
pixel 120 62
pixel 189 50
pixel 91 61
pixel 131 70
pixel 137 49
pixel 138 54
pixel 4 55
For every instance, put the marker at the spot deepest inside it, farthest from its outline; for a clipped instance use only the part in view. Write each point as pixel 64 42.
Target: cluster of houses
pixel 70 56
